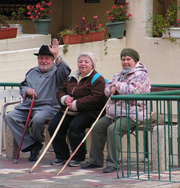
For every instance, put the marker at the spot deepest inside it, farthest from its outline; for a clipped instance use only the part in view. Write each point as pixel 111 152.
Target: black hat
pixel 44 50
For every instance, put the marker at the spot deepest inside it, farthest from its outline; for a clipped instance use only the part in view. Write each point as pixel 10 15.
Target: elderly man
pixel 40 82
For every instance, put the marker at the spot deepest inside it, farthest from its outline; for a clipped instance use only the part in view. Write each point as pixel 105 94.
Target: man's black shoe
pixel 89 165
pixel 109 169
pixel 35 152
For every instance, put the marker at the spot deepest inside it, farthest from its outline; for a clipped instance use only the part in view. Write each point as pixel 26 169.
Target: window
pixel 9 6
pixel 92 1
pixel 120 2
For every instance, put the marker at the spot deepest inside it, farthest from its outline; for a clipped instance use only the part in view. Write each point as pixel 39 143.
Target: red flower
pixel 110 17
pixel 118 13
pixel 40 11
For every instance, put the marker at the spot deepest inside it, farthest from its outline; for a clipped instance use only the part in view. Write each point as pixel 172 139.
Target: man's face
pixel 45 62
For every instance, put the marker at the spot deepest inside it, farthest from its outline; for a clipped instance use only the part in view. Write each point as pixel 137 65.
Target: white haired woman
pixel 83 94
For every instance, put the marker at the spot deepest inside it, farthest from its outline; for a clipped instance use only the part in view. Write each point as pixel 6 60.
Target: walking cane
pixel 84 137
pixel 24 132
pixel 52 138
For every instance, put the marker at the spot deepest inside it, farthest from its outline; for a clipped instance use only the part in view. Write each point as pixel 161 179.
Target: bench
pixel 12 145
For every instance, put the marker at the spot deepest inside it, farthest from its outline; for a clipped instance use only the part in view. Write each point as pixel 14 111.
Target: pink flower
pixel 118 13
pixel 44 2
pixel 83 18
pixel 31 17
pixel 28 13
pixel 28 7
pixel 100 25
pixel 95 17
pixel 110 17
pixel 38 5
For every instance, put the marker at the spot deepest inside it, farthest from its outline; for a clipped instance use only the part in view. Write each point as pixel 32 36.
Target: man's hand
pixel 31 92
pixel 55 49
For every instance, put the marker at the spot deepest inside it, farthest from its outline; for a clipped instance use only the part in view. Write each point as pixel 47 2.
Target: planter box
pixel 18 26
pixel 88 37
pixel 7 33
pixel 173 32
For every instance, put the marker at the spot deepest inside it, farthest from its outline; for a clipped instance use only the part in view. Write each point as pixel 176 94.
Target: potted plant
pixel 6 32
pixel 166 26
pixel 16 21
pixel 40 16
pixel 118 14
pixel 84 31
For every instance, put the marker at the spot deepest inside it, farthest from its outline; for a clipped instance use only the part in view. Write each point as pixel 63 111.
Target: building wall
pixel 159 55
pixel 15 63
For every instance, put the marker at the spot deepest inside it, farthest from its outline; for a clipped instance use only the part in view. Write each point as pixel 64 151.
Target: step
pixel 24 41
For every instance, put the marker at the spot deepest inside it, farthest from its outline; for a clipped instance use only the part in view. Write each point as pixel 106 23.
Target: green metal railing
pixel 160 150
pixel 137 161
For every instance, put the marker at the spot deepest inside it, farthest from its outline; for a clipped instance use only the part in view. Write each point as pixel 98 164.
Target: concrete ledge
pixel 24 41
pixel 161 153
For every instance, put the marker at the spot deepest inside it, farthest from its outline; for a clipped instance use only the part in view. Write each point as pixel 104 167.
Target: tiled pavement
pixel 44 175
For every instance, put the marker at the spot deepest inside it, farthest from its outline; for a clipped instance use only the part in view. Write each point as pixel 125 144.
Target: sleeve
pixel 63 71
pixel 135 84
pixel 107 90
pixel 62 93
pixel 24 85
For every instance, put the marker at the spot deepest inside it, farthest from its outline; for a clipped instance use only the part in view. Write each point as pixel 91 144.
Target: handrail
pixel 152 85
pixel 10 84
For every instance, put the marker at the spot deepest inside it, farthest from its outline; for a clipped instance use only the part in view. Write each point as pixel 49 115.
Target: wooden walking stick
pixel 24 132
pixel 84 137
pixel 52 138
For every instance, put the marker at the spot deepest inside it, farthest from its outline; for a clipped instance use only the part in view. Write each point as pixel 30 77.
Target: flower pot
pixel 7 33
pixel 18 26
pixel 173 32
pixel 72 39
pixel 42 26
pixel 94 36
pixel 116 29
pixel 88 37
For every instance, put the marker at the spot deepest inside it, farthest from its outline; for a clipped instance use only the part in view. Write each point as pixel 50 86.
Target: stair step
pixel 24 41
